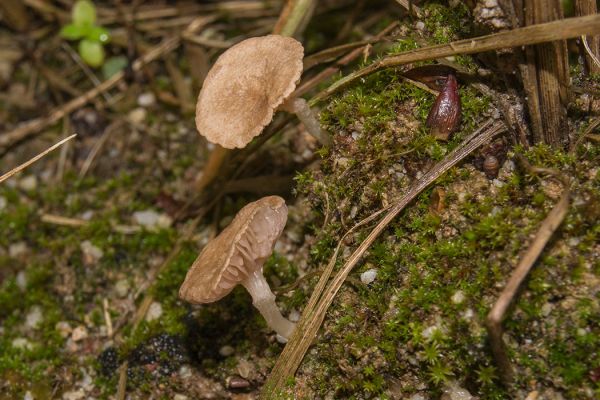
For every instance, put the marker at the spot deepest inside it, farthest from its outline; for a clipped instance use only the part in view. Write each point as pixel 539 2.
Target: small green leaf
pixel 113 65
pixel 97 34
pixel 72 32
pixel 83 13
pixel 91 52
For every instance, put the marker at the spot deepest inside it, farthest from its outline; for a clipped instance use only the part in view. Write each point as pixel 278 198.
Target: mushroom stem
pixel 264 300
pixel 300 107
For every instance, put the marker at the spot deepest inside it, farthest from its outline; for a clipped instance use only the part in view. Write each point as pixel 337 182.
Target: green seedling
pixel 91 36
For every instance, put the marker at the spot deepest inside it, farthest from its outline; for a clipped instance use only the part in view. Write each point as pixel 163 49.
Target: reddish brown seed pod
pixel 491 165
pixel 444 116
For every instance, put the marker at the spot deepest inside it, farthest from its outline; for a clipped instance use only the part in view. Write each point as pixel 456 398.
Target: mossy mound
pixel 418 330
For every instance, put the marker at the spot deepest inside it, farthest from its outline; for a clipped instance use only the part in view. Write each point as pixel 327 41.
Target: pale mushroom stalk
pixel 264 300
pixel 305 114
pixel 237 255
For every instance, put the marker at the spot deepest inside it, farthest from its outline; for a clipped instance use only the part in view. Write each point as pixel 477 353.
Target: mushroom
pixel 246 85
pixel 237 255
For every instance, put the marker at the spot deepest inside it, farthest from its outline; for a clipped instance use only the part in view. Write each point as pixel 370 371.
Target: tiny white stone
pixel 146 99
pixel 79 333
pixel 355 135
pixel 74 395
pixel 429 331
pixel 21 343
pixel 420 25
pixel 137 115
pixel 22 280
pixel 90 250
pixel 368 276
pixel 28 396
pixel 152 219
pixel 154 311
pixel 34 317
pixel 185 371
pixel 546 309
pixel 455 392
pixel 122 288
pixel 281 339
pixel 226 351
pixel 294 316
pixel 468 314
pixel 87 215
pixel 17 249
pixel 458 297
pixel 64 328
pixel 28 183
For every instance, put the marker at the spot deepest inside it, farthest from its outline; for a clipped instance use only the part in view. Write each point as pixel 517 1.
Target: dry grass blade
pixel 589 51
pixel 33 126
pixel 314 314
pixel 34 159
pixel 534 34
pixel 543 235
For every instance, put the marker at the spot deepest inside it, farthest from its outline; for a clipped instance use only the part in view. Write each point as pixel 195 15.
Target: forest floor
pixel 96 238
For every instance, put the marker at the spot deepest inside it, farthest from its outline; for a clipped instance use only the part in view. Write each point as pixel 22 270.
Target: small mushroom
pixel 246 85
pixel 237 255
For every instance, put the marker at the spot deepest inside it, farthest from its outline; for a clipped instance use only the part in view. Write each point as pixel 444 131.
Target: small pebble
pixel 17 249
pixel 294 316
pixel 28 183
pixel 137 116
pixel 91 253
pixel 151 219
pixel 236 382
pixel 87 215
pixel 154 311
pixel 368 276
pixel 122 288
pixel 28 396
pixel 22 280
pixel 79 333
pixel 22 343
pixel 34 317
pixel 63 328
pixel 546 309
pixel 420 26
pixel 458 297
pixel 226 351
pixel 185 372
pixel 146 99
pixel 244 368
pixel 281 339
pixel 452 391
pixel 74 395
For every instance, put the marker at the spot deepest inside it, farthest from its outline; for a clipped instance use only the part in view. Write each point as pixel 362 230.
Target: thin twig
pixel 34 159
pixel 543 235
pixel 589 51
pixel 533 34
pixel 322 297
pixel 31 127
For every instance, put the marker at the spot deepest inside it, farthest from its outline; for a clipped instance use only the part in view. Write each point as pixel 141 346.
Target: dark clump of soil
pixel 159 356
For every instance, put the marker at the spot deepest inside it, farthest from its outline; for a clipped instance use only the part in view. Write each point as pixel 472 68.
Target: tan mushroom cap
pixel 240 249
pixel 245 86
